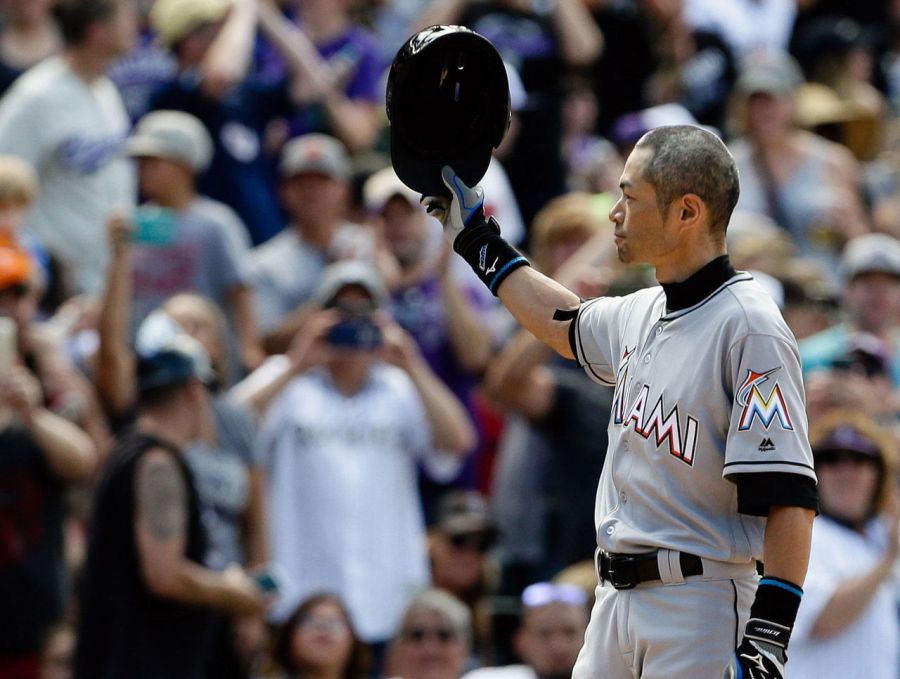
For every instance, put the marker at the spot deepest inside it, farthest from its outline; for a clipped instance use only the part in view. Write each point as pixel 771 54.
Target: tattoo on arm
pixel 162 500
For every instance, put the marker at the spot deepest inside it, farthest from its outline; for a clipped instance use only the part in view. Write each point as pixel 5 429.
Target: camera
pixel 355 332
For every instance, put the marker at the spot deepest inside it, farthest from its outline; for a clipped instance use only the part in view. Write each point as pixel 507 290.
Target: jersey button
pixel 659 330
pixel 647 358
pixel 610 530
pixel 623 497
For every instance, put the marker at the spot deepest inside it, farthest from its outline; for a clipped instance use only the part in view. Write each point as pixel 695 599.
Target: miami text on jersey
pixel 766 408
pixel 665 427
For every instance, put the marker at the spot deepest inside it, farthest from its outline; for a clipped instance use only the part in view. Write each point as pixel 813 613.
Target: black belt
pixel 627 571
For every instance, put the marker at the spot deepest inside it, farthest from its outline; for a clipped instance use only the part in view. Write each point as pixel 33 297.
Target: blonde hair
pixel 18 182
pixel 575 213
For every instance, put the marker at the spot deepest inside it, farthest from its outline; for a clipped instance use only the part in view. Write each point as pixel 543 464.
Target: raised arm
pixel 452 428
pixel 541 305
pixel 228 58
pixel 580 38
pixel 115 369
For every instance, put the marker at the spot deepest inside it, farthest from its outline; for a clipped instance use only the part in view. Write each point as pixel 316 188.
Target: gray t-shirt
pixel 221 475
pixel 207 257
pixel 286 270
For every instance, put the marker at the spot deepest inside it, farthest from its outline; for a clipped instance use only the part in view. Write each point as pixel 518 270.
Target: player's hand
pixel 757 659
pixel 455 214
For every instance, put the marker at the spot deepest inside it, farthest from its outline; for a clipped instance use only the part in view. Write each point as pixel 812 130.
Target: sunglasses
pixel 419 634
pixel 544 593
pixel 479 542
pixel 843 457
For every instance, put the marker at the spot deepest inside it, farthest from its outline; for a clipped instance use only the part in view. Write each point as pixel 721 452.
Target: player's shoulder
pixel 758 311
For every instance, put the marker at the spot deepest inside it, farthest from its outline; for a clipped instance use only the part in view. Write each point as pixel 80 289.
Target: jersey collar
pixel 700 285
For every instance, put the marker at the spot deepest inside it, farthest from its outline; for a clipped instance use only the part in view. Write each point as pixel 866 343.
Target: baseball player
pixel 709 468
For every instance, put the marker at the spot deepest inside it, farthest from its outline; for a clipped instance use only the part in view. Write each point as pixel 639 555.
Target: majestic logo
pixel 766 408
pixel 766 445
pixel 682 444
pixel 482 257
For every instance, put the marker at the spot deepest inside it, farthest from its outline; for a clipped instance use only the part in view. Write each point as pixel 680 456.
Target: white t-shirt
pixel 870 646
pixel 746 25
pixel 345 515
pixel 72 132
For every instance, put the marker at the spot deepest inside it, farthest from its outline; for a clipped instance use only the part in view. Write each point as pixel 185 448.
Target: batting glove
pixel 758 656
pixel 763 650
pixel 474 238
pixel 465 205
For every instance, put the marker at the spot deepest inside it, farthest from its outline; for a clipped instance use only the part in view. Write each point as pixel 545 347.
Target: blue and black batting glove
pixel 763 650
pixel 474 238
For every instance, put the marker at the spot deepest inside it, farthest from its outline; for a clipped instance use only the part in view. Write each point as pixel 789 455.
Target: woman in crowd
pixel 847 625
pixel 318 642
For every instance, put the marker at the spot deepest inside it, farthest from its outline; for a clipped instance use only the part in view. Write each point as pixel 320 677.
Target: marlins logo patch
pixel 756 405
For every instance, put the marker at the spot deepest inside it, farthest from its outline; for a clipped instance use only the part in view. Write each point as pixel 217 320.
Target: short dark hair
pixel 688 159
pixel 74 17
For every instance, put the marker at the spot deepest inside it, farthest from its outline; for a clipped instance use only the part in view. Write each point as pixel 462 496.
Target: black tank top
pixel 125 631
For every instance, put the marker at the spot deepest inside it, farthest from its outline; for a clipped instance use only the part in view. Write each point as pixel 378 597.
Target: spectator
pixel 847 625
pixel 446 314
pixel 337 69
pixel 148 604
pixel 808 185
pixel 65 117
pixel 318 642
pixel 554 617
pixel 433 640
pixel 315 189
pixel 186 242
pixel 212 42
pixel 357 406
pixel 870 267
pixel 540 46
pixel 28 36
pixel 43 456
pixel 18 191
pixel 459 545
pixel 222 459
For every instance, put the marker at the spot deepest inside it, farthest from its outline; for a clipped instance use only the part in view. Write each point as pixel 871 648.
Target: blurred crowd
pixel 256 421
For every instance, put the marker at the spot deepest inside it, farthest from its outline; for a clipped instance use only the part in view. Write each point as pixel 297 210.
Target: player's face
pixel 641 232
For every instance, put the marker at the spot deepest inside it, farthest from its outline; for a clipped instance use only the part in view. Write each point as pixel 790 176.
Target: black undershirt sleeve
pixel 757 493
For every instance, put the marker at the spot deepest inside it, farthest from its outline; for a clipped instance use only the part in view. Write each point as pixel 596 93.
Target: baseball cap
pixel 351 272
pixel 871 253
pixel 173 135
pixel 463 511
pixel 315 153
pixel 172 20
pixel 546 593
pixel 167 355
pixel 384 185
pixel 775 73
pixel 848 439
pixel 15 267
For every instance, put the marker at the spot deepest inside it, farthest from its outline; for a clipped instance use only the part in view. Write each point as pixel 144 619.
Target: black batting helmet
pixel 448 104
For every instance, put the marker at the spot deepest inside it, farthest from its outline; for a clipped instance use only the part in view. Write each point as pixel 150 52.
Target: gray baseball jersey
pixel 700 393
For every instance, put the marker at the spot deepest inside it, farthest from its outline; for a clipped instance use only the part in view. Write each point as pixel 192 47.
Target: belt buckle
pixel 622 571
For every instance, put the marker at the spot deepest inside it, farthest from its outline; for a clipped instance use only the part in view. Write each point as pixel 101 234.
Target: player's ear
pixel 691 210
